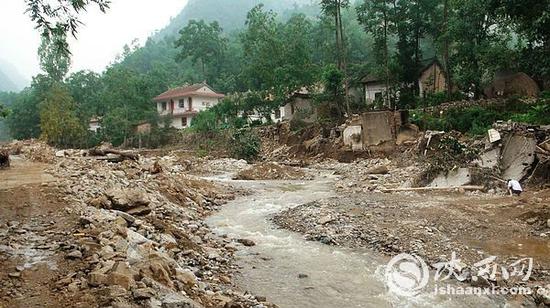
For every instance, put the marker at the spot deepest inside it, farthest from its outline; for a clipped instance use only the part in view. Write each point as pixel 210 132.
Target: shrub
pixel 205 122
pixel 246 145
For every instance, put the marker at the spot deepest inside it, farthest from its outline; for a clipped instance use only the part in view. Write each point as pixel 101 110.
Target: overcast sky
pixel 100 39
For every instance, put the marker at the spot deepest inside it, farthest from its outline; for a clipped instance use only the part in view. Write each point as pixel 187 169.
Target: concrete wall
pixel 299 104
pixel 371 89
pixel 378 127
pixel 432 80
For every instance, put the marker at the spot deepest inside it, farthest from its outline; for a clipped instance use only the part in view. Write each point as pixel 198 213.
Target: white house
pixel 375 89
pixel 184 103
pixel 95 124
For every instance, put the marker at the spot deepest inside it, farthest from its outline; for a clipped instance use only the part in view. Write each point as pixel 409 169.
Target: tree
pixel 377 18
pixel 262 50
pixel 204 44
pixel 58 121
pixel 3 111
pixel 334 8
pixel 476 34
pixel 53 60
pixel 86 88
pixel 58 19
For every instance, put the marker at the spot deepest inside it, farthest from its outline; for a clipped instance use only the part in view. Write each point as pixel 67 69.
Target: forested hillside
pixel 263 53
pixel 230 14
pixel 10 78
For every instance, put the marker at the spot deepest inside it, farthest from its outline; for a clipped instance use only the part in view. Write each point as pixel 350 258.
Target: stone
pixel 143 293
pixel 96 279
pixel 14 275
pixel 548 223
pixel 121 275
pixel 174 300
pixel 160 273
pixel 302 276
pixel 378 170
pixel 75 254
pixel 186 276
pixel 129 199
pixel 100 202
pixel 129 218
pixel 325 220
pixel 246 242
pixel 531 220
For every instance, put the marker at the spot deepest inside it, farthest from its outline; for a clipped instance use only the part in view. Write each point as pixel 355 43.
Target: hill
pixel 230 14
pixel 10 79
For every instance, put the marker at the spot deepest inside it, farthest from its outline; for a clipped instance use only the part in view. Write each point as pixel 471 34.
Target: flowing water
pixel 336 277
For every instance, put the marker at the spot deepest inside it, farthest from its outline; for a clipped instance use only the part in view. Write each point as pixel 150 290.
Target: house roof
pixel 427 63
pixel 370 78
pixel 192 90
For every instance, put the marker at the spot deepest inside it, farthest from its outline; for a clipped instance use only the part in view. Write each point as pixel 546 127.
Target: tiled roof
pixel 187 91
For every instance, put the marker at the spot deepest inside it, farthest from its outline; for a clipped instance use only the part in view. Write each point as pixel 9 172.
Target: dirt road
pixel 34 229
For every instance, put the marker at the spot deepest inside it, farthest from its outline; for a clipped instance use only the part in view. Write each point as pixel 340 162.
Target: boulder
pixel 186 277
pixel 378 170
pixel 246 242
pixel 131 201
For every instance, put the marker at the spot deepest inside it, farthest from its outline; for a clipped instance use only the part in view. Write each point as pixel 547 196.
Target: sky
pixel 99 40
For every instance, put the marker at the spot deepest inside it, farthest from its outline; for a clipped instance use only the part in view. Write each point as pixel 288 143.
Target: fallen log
pixel 123 154
pixel 470 187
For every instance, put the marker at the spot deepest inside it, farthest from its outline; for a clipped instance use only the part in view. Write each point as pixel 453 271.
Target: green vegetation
pixel 477 120
pixel 245 144
pixel 261 57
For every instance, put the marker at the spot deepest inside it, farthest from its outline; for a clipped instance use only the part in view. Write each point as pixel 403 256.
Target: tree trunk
pixel 446 49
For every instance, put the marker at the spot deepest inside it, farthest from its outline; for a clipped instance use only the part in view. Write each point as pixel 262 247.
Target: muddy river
pixel 292 272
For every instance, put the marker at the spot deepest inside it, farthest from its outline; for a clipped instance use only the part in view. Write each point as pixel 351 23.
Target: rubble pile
pixel 208 166
pixel 271 171
pixel 33 150
pixel 372 175
pixel 141 233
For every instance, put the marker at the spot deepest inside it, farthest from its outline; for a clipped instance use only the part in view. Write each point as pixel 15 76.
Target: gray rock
pixel 175 300
pixel 75 254
pixel 143 293
pixel 246 242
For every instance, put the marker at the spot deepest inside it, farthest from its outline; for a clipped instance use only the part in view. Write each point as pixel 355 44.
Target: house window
pixel 190 103
pixel 378 96
pixel 163 106
pixel 277 113
pixel 184 121
pixel 181 103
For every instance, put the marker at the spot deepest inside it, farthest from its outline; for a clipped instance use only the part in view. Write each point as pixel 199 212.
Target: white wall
pixel 371 89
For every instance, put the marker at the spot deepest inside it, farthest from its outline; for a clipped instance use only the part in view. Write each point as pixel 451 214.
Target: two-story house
pixel 184 103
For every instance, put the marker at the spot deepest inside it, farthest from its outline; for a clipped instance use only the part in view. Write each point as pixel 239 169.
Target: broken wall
pixel 378 127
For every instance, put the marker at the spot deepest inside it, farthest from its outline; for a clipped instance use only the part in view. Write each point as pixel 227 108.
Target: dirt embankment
pixel 271 171
pixel 124 234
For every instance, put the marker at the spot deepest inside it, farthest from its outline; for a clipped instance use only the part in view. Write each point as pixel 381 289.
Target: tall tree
pixel 262 49
pixel 53 60
pixel 204 44
pixel 377 18
pixel 334 8
pixel 58 121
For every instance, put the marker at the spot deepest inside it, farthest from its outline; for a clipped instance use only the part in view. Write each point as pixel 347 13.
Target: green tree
pixel 53 60
pixel 204 44
pixel 262 50
pixel 377 17
pixel 58 121
pixel 86 88
pixel 476 34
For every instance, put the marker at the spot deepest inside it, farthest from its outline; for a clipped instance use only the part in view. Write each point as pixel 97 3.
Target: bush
pixel 205 122
pixel 246 145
